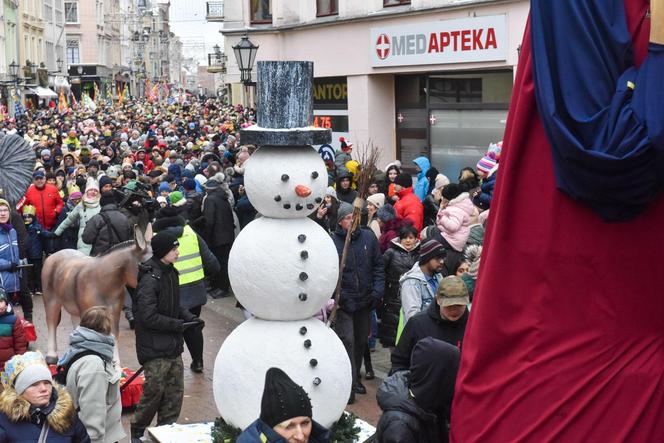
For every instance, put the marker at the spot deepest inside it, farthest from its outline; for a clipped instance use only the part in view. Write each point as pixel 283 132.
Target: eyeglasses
pixel 4 210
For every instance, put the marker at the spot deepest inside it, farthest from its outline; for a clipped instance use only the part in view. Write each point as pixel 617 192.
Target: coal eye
pixel 314 175
pixel 284 178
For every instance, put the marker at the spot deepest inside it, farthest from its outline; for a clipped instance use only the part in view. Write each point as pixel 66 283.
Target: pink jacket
pixel 453 221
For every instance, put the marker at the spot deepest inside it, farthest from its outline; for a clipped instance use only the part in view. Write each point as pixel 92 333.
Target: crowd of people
pixel 178 169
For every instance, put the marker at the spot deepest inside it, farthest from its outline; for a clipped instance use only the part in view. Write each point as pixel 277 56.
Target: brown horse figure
pixel 77 282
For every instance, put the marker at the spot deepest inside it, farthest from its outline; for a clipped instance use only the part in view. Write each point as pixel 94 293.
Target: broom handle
pixel 657 21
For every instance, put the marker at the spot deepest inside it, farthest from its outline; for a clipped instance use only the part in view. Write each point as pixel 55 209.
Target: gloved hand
pixel 13 267
pixel 200 321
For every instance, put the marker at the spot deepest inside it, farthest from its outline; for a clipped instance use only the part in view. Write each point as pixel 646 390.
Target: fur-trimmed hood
pixel 60 412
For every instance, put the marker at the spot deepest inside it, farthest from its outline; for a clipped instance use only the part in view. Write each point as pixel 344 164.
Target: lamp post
pixel 245 54
pixel 59 63
pixel 13 72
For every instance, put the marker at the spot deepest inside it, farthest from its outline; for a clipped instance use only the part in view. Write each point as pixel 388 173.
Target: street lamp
pixel 13 69
pixel 33 68
pixel 79 69
pixel 59 62
pixel 245 54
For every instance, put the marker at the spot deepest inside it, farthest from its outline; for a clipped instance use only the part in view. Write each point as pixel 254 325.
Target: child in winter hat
pixel 14 342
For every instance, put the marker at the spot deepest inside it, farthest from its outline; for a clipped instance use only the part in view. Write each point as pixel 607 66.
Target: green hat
pixel 176 199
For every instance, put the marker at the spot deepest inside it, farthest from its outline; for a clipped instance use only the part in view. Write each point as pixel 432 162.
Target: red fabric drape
pixel 566 337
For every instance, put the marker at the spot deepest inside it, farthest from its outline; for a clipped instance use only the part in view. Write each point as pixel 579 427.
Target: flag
pixel 62 102
pixel 109 95
pixel 97 94
pixel 88 102
pixel 74 103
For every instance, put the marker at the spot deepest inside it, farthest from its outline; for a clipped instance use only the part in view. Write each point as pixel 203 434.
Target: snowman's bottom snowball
pixel 257 345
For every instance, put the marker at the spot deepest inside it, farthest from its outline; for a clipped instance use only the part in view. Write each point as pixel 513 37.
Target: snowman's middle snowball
pixel 283 269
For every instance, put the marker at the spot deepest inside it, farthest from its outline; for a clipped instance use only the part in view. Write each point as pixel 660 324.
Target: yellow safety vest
pixel 189 263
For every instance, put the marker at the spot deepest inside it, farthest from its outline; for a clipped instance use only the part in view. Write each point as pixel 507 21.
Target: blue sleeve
pixel 603 117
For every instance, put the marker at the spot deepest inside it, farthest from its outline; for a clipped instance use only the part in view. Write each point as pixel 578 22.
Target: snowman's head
pixel 285 182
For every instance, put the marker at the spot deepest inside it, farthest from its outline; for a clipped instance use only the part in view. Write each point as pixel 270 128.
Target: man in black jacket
pixel 219 233
pixel 444 320
pixel 159 342
pixel 362 286
pixel 108 228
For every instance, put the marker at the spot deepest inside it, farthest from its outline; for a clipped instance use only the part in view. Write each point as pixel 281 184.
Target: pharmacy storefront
pixel 435 82
pixel 449 116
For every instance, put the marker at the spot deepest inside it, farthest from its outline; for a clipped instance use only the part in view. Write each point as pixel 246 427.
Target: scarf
pixel 83 339
pixel 6 226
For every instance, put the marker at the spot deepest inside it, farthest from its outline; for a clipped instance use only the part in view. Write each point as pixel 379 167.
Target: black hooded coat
pixel 416 404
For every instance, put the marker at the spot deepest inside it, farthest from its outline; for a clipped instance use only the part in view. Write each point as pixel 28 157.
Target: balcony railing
pixel 217 63
pixel 214 11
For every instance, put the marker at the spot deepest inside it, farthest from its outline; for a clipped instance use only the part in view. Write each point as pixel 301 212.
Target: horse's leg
pixel 53 312
pixel 116 311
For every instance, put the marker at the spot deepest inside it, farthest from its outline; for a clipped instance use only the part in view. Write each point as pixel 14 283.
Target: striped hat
pixel 430 250
pixel 486 164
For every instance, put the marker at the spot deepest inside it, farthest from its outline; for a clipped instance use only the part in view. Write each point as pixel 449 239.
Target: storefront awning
pixel 42 92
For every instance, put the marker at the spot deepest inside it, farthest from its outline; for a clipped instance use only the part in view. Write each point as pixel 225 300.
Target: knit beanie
pixel 22 371
pixel 163 243
pixel 176 199
pixel 404 180
pixel 486 164
pixel 386 213
pixel 331 192
pixel 103 181
pixel 344 210
pixel 91 184
pixel 431 249
pixel 451 191
pixel 378 200
pixel 452 291
pixel 441 180
pixel 189 184
pixel 283 399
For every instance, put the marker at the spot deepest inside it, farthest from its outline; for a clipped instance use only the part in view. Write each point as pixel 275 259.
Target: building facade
pixel 93 46
pixel 419 77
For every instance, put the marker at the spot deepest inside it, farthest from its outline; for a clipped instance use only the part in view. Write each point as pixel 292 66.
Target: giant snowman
pixel 283 267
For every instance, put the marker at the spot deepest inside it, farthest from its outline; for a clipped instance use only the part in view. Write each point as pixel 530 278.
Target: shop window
pixel 395 2
pixel 261 11
pixel 481 87
pixel 71 12
pixel 327 7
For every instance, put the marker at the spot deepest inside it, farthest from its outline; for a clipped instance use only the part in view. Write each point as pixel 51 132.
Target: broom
pixel 368 158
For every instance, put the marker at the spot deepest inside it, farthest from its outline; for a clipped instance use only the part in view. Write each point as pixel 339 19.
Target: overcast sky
pixel 187 20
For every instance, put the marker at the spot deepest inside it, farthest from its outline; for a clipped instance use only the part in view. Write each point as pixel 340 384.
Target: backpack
pixel 61 371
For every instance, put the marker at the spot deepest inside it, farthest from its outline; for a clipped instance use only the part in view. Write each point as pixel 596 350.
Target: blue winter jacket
pixel 34 242
pixel 422 186
pixel 483 199
pixel 9 281
pixel 260 432
pixel 363 280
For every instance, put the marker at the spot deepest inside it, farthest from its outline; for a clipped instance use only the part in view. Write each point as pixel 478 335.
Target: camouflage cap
pixel 452 291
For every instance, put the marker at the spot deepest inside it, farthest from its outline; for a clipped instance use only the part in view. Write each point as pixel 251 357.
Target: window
pixel 326 7
pixel 48 13
pixel 73 52
pixel 59 19
pixel 395 2
pixel 261 11
pixel 71 12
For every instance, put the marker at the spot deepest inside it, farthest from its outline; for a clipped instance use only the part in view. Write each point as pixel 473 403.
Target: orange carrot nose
pixel 302 191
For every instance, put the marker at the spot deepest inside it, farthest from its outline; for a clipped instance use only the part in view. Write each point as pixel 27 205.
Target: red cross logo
pixel 383 46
